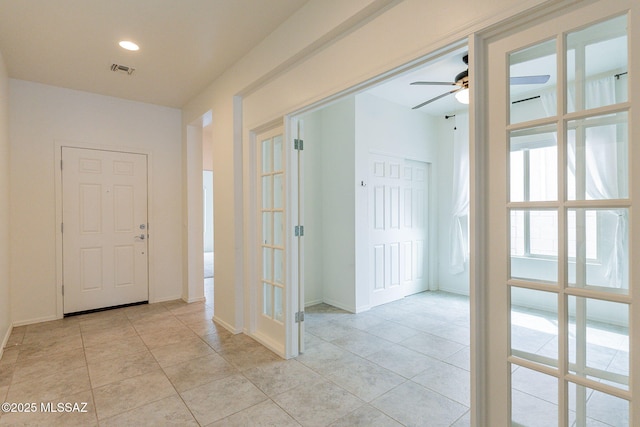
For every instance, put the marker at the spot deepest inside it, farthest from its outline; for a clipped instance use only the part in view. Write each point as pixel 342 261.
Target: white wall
pixel 338 140
pixel 338 193
pixel 343 44
pixel 313 209
pixel 5 294
pixel 329 205
pixel 41 116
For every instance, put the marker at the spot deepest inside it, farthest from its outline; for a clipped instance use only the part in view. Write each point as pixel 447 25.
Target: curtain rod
pixel 617 76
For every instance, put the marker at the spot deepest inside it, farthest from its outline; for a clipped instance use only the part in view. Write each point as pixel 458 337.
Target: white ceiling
pixel 184 44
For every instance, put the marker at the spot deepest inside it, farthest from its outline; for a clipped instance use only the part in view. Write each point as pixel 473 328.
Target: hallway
pixel 168 363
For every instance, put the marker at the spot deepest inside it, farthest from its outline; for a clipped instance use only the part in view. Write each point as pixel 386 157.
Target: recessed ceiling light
pixel 129 45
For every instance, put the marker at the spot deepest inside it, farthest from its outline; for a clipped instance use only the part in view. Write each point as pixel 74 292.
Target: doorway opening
pixel 386 192
pixel 207 211
pixel 199 205
pixel 384 204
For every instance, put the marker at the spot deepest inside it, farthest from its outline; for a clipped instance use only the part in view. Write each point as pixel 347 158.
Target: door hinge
pixel 300 316
pixel 298 144
pixel 299 230
pixel 62 290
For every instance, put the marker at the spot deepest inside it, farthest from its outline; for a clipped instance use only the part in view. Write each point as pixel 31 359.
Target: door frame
pixel 57 146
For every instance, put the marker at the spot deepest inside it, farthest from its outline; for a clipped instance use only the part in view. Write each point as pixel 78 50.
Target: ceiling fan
pixel 462 81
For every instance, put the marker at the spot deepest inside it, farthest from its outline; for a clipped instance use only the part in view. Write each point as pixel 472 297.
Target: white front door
pixel 398 190
pixel 105 252
pixel 563 164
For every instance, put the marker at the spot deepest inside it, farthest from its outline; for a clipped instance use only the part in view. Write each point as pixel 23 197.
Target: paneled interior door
pixel 398 190
pixel 105 251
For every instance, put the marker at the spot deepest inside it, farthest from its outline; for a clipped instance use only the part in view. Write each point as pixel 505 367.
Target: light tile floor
pixel 403 363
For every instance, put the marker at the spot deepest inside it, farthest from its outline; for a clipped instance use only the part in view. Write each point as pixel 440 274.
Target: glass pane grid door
pixel 569 209
pixel 271 224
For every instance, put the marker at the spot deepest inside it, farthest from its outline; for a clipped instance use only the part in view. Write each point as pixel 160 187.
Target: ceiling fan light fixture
pixel 463 96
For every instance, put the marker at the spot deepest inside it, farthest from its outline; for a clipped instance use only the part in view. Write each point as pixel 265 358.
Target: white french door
pixel 270 316
pixel 562 168
pixel 105 253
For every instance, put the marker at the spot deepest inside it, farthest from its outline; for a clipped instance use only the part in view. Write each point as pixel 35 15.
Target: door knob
pixel 140 237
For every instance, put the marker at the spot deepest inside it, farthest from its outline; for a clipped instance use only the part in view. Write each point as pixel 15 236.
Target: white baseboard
pixel 5 340
pixel 36 320
pixel 335 304
pixel 277 348
pixel 455 291
pixel 156 300
pixel 226 325
pixel 339 305
pixel 363 308
pixel 189 301
pixel 314 302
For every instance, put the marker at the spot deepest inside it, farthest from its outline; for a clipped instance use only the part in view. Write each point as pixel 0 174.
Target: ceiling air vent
pixel 123 68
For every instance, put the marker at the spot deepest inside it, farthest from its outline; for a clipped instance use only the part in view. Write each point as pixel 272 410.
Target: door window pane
pixel 517 235
pixel 586 235
pixel 267 264
pixel 598 249
pixel 597 158
pixel 533 166
pixel 534 398
pixel 534 325
pixel 532 71
pixel 534 244
pixel 278 261
pixel 266 228
pixel 267 195
pixel 267 299
pixel 594 408
pixel 591 81
pixel 278 229
pixel 278 313
pixel 278 196
pixel 599 340
pixel 544 233
pixel 277 153
pixel 266 156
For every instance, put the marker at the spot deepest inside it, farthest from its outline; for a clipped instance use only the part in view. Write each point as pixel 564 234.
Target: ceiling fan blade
pixel 433 83
pixel 436 98
pixel 530 80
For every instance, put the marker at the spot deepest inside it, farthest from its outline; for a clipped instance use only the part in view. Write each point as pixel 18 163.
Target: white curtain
pixel 601 165
pixel 460 196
